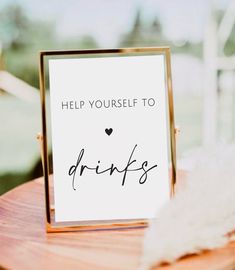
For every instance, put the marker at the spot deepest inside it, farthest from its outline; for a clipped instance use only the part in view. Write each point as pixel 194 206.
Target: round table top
pixel 26 245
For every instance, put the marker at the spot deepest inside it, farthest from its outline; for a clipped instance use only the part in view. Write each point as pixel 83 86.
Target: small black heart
pixel 109 131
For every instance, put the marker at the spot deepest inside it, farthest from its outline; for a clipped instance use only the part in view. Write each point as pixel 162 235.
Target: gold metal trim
pixel 51 225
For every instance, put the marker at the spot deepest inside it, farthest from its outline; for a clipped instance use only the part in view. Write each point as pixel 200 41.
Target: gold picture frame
pixel 51 225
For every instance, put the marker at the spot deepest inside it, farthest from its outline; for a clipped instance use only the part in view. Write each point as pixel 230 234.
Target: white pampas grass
pixel 200 216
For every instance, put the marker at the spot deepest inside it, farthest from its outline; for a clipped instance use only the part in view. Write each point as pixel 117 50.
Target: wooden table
pixel 25 245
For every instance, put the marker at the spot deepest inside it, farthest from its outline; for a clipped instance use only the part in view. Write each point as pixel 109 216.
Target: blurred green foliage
pixel 23 38
pixel 229 48
pixel 151 34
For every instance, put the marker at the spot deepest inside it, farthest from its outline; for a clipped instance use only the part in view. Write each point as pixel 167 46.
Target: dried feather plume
pixel 200 216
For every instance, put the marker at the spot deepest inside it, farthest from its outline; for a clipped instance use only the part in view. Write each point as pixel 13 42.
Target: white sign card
pixel 110 130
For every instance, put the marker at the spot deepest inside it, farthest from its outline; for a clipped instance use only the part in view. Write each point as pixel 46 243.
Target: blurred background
pixel 201 35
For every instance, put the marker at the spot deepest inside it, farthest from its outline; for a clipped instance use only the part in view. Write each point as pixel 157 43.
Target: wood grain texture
pixel 24 243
